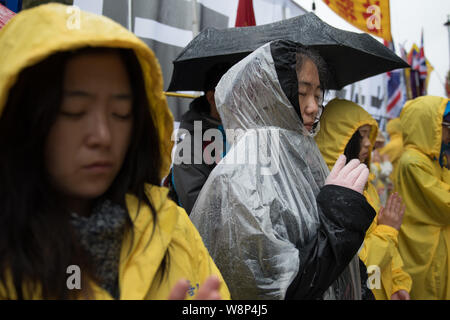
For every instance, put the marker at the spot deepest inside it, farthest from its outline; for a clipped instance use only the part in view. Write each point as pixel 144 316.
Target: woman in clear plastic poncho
pixel 272 227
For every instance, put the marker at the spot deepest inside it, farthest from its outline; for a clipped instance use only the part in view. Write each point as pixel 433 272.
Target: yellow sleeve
pixel 381 249
pixel 379 246
pixel 424 193
pixel 401 280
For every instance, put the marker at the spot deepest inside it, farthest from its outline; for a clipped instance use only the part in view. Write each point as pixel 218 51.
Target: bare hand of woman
pixel 400 295
pixel 392 214
pixel 353 175
pixel 208 291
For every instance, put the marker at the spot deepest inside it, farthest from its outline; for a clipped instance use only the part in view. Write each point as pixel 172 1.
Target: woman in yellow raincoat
pixel 424 238
pixel 347 128
pixel 84 142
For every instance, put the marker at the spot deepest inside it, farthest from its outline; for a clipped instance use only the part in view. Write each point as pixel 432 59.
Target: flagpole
pixel 448 29
pixel 416 78
pixel 385 102
pixel 195 26
pixel 130 15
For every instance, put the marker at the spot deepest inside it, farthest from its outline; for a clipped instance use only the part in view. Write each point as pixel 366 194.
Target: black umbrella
pixel 350 56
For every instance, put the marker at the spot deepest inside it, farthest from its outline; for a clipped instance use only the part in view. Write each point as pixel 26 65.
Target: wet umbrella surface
pixel 350 56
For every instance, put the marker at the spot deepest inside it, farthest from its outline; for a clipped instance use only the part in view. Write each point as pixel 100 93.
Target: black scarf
pixel 101 235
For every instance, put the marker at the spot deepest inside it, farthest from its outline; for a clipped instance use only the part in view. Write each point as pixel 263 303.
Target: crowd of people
pixel 302 201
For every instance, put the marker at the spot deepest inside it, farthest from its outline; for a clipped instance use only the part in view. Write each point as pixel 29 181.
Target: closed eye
pixel 123 97
pixel 123 116
pixel 72 114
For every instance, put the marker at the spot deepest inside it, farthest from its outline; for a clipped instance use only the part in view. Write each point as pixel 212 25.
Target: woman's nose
pixel 99 131
pixel 312 107
pixel 366 142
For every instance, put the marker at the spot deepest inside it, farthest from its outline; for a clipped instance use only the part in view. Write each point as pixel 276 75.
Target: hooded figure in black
pixel 188 177
pixel 274 224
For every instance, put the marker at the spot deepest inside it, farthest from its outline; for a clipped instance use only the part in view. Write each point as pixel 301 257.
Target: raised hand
pixel 392 214
pixel 208 291
pixel 354 175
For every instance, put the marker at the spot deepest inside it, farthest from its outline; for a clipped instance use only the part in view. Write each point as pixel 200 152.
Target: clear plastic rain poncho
pixel 259 204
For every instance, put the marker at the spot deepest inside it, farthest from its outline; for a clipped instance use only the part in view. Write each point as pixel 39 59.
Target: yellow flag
pixel 371 16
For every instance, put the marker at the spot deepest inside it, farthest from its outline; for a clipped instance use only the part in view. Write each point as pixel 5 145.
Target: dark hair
pixel 200 105
pixel 214 74
pixel 289 57
pixel 37 242
pixel 304 53
pixel 353 147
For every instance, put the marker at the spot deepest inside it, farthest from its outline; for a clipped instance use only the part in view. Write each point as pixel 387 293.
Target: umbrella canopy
pixel 5 15
pixel 350 56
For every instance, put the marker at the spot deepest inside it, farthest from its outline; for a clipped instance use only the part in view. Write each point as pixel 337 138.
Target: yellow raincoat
pixel 394 147
pixel 340 120
pixel 424 238
pixel 35 34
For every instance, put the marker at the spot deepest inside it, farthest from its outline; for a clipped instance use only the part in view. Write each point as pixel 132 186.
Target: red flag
pixel 5 15
pixel 245 16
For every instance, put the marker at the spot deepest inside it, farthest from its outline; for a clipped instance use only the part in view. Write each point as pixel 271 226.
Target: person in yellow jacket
pixel 394 148
pixel 347 128
pixel 84 142
pixel 424 238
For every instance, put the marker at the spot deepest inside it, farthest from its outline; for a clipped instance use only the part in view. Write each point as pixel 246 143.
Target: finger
pixel 400 203
pixel 361 181
pixel 389 201
pixel 397 204
pixel 402 210
pixel 354 174
pixel 179 291
pixel 340 163
pixel 380 214
pixel 348 168
pixel 210 289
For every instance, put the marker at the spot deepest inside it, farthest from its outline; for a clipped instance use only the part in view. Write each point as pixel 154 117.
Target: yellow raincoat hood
pixel 427 139
pixel 339 121
pixel 395 145
pixel 35 34
pixel 394 127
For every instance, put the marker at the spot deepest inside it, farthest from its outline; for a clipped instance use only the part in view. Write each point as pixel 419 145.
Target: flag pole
pixel 195 26
pixel 447 24
pixel 130 15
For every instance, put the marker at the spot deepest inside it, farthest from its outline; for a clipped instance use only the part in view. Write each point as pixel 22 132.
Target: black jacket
pixel 189 178
pixel 346 215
